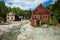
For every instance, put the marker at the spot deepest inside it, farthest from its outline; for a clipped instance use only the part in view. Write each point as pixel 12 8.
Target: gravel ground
pixel 6 28
pixel 30 33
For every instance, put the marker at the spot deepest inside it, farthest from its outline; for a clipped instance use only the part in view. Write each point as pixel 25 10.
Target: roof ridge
pixel 43 7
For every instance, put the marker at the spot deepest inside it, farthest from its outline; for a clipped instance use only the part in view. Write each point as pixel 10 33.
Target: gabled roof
pixel 11 13
pixel 40 5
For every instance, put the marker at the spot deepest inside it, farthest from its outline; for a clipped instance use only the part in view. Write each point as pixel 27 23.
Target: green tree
pixel 55 8
pixel 3 10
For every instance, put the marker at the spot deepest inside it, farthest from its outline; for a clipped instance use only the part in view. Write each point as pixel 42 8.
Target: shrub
pixel 36 25
pixel 1 19
pixel 54 21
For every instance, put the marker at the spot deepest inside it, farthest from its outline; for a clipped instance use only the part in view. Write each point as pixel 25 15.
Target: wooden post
pixel 40 23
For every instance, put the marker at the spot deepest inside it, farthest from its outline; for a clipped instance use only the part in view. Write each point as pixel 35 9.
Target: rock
pixel 44 26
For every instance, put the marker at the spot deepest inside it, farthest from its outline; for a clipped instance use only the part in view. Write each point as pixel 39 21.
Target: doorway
pixel 38 23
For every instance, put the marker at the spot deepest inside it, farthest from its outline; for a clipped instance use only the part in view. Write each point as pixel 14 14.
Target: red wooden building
pixel 40 15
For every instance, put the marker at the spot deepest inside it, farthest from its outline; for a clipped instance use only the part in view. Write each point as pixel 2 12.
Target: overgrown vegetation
pixel 55 8
pixel 1 19
pixel 54 21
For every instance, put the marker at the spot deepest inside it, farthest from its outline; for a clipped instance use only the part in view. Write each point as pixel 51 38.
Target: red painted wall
pixel 40 10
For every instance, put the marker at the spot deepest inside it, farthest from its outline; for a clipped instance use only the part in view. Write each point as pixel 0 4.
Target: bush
pixel 36 25
pixel 54 21
pixel 1 19
pixel 51 23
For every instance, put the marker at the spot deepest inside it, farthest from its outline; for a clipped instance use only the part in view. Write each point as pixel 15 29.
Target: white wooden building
pixel 10 17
